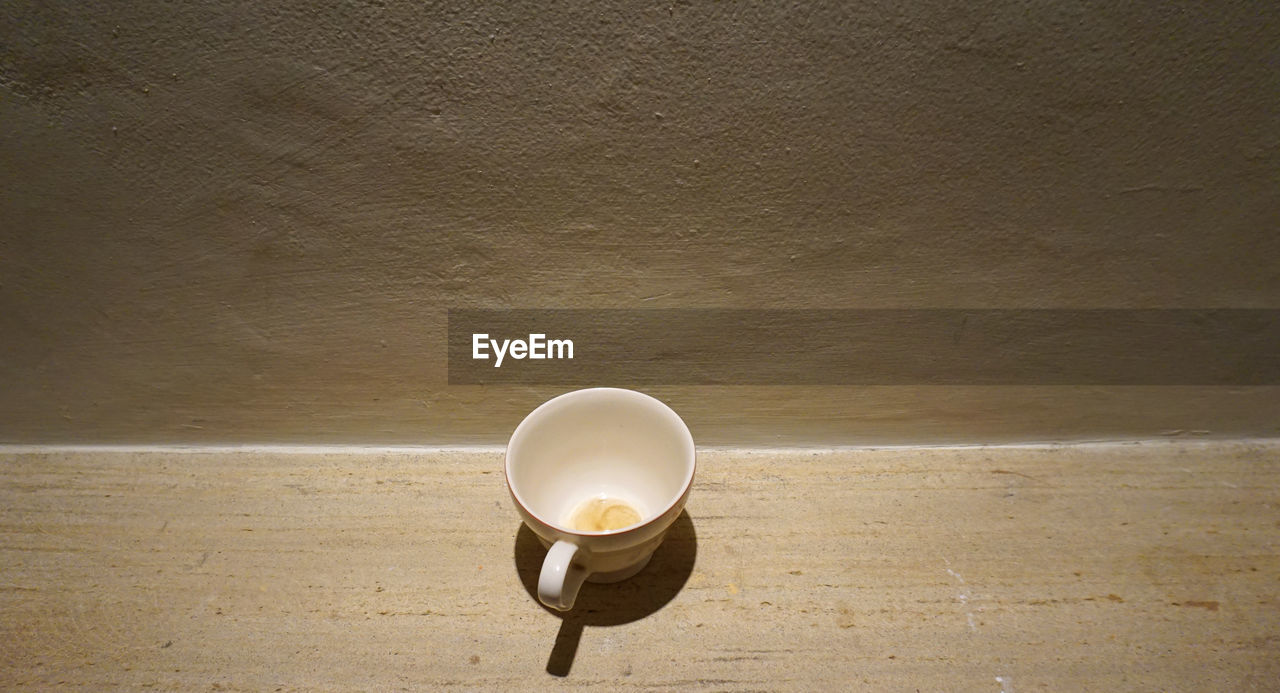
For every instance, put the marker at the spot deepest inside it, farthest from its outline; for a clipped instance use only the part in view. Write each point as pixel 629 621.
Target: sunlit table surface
pixel 1136 566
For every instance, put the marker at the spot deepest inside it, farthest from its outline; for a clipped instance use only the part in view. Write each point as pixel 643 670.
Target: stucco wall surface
pixel 245 221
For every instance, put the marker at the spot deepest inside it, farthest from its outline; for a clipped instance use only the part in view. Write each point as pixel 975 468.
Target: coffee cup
pixel 599 475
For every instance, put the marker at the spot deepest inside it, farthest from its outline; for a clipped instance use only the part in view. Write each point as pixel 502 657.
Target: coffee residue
pixel 602 515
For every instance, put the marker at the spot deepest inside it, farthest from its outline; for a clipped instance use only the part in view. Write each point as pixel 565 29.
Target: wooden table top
pixel 1152 566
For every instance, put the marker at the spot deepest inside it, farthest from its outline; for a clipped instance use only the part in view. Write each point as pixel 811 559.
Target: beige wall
pixel 223 222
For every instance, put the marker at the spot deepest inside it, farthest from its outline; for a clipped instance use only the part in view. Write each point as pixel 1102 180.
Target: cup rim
pixel 684 487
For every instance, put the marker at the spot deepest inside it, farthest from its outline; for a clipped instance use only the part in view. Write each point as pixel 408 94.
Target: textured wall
pixel 228 221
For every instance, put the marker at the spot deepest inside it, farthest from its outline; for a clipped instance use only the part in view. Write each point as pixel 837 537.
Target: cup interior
pixel 601 442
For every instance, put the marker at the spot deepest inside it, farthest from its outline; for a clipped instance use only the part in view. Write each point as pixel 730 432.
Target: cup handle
pixel 561 577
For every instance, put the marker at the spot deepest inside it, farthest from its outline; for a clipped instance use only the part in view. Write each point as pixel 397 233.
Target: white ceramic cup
pixel 589 444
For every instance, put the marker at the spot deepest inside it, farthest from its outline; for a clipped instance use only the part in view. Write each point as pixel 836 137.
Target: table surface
pixel 1151 566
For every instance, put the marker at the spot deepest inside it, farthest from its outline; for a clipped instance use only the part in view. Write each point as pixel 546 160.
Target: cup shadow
pixel 612 604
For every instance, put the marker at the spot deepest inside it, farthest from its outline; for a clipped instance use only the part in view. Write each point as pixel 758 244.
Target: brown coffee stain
pixel 602 515
pixel 1115 598
pixel 1210 605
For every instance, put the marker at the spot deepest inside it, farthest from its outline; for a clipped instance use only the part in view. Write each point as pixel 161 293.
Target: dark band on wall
pixel 632 347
